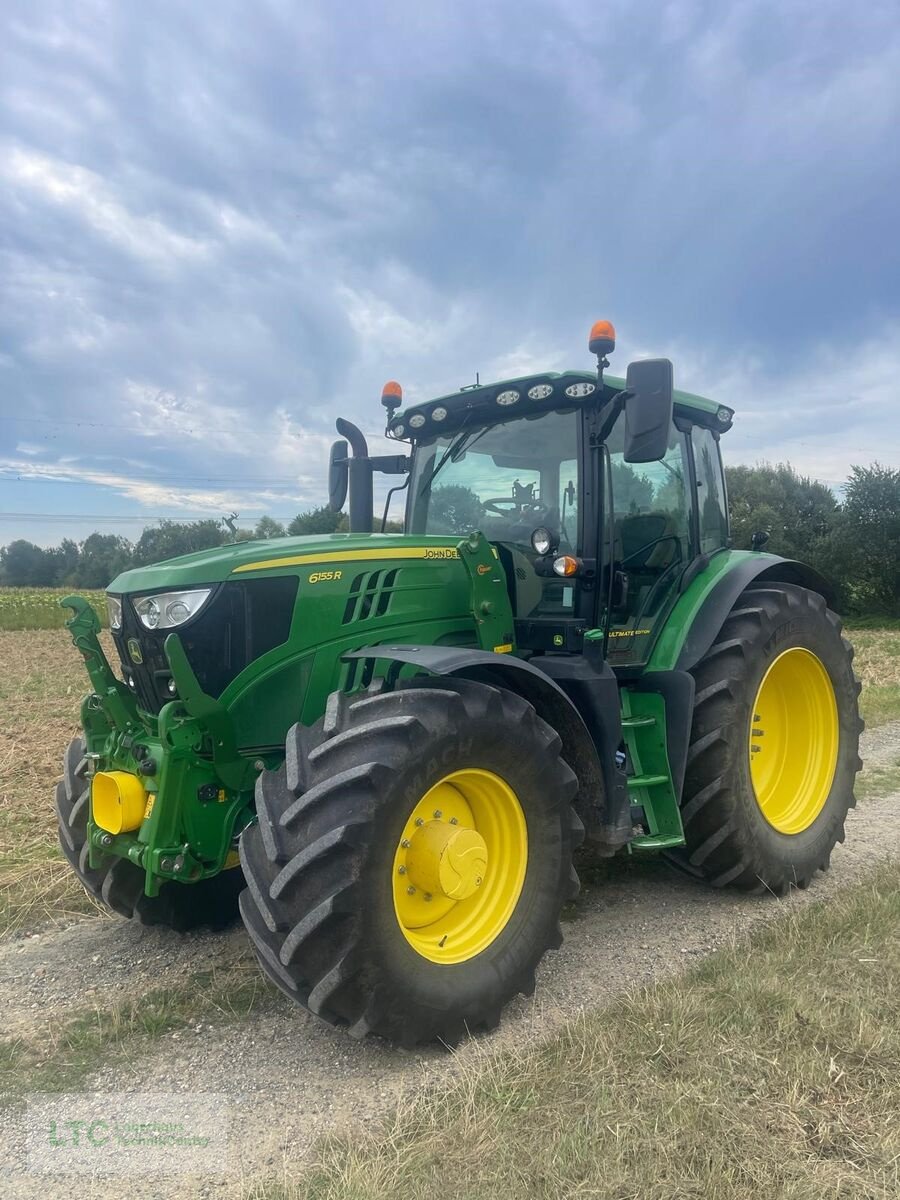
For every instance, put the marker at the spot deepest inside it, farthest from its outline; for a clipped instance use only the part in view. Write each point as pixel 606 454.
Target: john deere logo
pixel 134 651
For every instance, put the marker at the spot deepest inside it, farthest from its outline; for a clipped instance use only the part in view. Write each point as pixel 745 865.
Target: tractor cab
pixel 600 495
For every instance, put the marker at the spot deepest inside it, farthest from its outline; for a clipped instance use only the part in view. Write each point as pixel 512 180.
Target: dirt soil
pixel 286 1079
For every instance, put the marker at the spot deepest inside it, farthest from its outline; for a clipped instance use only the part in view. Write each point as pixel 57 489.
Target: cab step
pixel 651 786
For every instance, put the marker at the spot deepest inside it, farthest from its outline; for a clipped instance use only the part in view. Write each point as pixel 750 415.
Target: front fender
pixel 588 748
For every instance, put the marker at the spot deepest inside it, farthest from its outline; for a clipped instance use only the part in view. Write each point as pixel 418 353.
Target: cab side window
pixel 650 506
pixel 712 506
pixel 652 521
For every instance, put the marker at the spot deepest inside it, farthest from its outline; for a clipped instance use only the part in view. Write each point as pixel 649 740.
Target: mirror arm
pixel 387 503
pixel 610 412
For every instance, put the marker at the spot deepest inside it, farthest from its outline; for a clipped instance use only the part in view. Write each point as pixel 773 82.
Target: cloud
pixel 220 230
pixel 87 197
pixel 829 410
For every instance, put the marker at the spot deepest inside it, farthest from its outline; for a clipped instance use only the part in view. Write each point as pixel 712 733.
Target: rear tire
pixel 118 884
pixel 323 906
pixel 730 841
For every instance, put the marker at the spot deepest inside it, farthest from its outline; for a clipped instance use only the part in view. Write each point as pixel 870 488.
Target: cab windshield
pixel 504 479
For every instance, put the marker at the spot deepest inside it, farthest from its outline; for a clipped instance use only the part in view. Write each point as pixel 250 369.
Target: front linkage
pixel 171 793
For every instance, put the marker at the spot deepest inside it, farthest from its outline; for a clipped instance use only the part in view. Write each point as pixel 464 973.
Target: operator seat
pixel 645 557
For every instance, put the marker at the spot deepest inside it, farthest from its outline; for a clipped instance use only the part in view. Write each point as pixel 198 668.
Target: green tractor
pixel 385 749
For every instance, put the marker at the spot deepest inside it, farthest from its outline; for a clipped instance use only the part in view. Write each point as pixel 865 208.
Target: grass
pixel 771 1069
pixel 42 681
pixel 877 663
pixel 60 1055
pixel 878 781
pixel 39 608
pixel 854 623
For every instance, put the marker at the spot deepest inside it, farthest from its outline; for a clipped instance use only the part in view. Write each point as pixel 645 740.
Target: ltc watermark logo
pixel 126 1133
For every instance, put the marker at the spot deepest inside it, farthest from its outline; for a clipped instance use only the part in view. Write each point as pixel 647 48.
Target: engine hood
pixel 244 560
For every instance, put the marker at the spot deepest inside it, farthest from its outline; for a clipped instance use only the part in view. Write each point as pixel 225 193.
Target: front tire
pixel 411 859
pixel 774 746
pixel 118 884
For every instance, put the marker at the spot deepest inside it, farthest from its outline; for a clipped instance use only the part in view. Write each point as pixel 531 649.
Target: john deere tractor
pixel 385 749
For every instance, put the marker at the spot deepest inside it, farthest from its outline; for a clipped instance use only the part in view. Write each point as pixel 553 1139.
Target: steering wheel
pixel 520 514
pixel 502 506
pixel 666 537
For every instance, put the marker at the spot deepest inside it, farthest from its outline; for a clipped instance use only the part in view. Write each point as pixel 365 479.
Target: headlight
pixel 542 541
pixel 170 608
pixel 114 608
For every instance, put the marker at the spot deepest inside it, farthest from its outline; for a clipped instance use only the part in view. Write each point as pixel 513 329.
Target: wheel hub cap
pixel 446 860
pixel 460 865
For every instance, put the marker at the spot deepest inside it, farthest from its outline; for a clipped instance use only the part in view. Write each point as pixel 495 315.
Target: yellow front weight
pixel 118 800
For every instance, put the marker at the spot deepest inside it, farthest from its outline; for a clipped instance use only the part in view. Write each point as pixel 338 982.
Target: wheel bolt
pixel 437 814
pixel 401 870
pixel 411 890
pixel 419 821
pixel 106 839
pixel 755 749
pixel 454 820
pixel 427 896
pixel 405 844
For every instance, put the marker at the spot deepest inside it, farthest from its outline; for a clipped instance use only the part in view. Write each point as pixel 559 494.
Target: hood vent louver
pixel 370 596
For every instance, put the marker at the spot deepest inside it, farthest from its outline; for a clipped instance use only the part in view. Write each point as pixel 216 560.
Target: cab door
pixel 649 538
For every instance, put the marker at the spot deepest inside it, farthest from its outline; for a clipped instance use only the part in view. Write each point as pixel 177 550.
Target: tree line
pixel 95 561
pixel 854 541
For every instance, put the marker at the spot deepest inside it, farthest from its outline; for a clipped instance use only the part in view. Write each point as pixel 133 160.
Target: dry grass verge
pixel 771 1069
pixel 42 682
pixel 878 665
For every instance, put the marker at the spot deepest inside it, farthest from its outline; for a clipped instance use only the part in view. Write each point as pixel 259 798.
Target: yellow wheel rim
pixel 793 741
pixel 460 865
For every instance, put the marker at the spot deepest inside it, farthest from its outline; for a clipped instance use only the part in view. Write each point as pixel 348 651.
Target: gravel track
pixel 289 1078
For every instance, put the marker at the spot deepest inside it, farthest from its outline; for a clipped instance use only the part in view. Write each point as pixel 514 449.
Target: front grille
pixel 241 621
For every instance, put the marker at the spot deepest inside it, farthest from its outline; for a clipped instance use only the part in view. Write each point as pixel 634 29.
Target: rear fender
pixel 721 599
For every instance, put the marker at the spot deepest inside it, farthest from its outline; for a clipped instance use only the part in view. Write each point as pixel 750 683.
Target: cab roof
pixel 529 395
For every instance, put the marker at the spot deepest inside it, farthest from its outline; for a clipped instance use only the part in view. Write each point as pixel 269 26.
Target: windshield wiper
pixel 459 443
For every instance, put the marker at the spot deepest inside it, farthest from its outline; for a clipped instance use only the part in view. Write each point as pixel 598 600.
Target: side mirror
pixel 338 474
pixel 648 409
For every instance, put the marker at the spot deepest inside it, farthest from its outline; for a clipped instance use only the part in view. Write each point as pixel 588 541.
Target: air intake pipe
pixel 360 473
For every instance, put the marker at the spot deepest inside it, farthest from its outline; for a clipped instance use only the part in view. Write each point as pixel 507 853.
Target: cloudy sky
pixel 222 225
